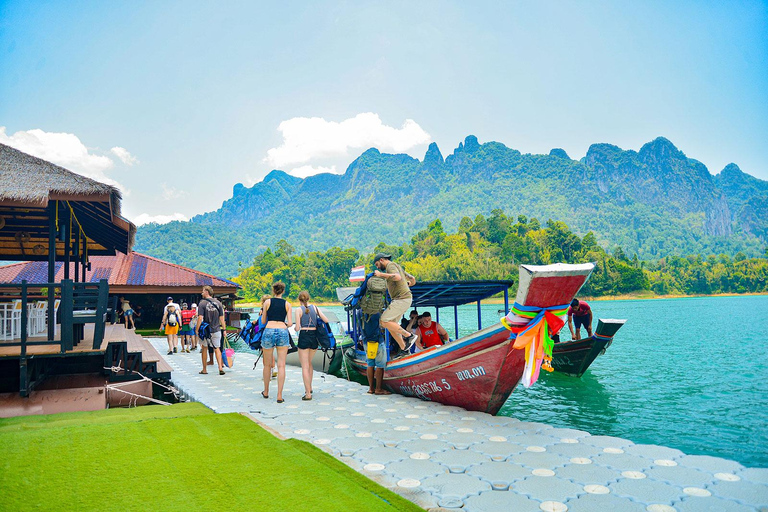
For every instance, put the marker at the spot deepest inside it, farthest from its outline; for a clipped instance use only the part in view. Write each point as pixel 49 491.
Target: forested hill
pixel 653 203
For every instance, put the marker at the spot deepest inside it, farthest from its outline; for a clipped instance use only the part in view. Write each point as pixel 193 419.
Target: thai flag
pixel 357 274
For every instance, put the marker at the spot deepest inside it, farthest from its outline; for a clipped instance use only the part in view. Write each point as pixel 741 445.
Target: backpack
pixel 204 329
pixel 374 299
pixel 173 320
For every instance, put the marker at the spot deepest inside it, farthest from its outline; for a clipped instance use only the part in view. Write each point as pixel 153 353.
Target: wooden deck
pixel 112 333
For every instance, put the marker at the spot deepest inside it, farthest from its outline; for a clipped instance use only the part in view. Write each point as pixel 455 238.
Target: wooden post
pixel 51 268
pixel 24 317
pixel 67 245
pixel 101 314
pixel 76 254
pixel 23 376
pixel 67 306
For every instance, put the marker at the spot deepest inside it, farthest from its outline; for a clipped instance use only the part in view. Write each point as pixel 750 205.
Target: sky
pixel 176 102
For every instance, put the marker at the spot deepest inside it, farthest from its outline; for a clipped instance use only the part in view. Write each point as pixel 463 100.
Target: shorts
pixel 396 310
pixel 214 342
pixel 275 338
pixel 381 357
pixel 171 329
pixel 128 312
pixel 308 340
pixel 186 330
pixel 578 321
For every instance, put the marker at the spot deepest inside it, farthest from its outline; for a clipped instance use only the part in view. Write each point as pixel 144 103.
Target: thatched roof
pixel 28 179
pixel 30 182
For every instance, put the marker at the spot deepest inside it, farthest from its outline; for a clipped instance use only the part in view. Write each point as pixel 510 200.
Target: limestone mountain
pixel 651 202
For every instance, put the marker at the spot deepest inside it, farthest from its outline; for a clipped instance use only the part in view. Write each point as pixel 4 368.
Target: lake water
pixel 686 373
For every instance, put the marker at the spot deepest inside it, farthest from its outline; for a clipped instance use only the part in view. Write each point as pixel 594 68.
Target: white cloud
pixel 124 155
pixel 146 218
pixel 171 193
pixel 64 149
pixel 307 170
pixel 308 138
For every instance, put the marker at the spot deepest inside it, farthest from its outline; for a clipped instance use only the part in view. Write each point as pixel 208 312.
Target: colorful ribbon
pixel 534 336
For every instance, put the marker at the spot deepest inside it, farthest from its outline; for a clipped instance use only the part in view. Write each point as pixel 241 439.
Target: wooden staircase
pixel 134 356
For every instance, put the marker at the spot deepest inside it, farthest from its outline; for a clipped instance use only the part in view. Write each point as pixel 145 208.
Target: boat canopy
pixel 440 294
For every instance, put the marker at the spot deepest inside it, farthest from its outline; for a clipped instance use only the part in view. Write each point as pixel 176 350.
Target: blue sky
pixel 178 101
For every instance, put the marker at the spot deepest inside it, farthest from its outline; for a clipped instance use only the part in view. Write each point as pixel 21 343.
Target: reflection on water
pixel 688 373
pixel 563 401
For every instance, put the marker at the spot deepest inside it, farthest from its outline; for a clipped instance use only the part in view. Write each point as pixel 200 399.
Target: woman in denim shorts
pixel 277 315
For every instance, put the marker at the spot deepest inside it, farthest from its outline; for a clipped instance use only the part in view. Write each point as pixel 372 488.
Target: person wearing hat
pixel 169 303
pixel 398 283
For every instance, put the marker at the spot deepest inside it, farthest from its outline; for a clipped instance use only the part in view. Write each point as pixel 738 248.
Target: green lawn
pixel 181 457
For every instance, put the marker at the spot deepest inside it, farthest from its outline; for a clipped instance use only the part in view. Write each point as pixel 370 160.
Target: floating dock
pixel 447 458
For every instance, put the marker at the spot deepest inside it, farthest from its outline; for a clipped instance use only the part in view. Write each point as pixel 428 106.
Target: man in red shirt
pixel 431 334
pixel 580 314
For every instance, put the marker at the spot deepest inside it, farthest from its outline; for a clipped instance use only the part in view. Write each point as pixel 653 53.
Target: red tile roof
pixel 133 269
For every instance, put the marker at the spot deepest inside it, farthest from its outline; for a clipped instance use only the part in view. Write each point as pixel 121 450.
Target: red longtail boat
pixel 477 372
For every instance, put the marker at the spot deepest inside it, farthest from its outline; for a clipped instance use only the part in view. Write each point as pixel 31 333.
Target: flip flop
pixel 280 401
pixel 222 372
pixel 203 373
pixel 263 395
pixel 371 392
pixel 382 392
pixel 305 398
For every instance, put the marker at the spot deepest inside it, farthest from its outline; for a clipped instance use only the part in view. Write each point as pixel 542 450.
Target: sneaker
pixel 170 353
pixel 401 353
pixel 409 341
pixel 175 349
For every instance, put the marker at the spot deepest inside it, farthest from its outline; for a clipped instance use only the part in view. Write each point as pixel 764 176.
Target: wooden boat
pixel 574 357
pixel 477 372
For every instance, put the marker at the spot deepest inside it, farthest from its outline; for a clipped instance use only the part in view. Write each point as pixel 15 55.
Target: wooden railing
pixel 81 303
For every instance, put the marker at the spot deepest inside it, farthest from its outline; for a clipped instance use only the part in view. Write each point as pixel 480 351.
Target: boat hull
pixel 478 372
pixel 574 357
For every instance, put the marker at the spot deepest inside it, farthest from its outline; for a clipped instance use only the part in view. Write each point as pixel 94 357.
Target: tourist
pixel 193 326
pixel 171 320
pixel 412 323
pixel 305 323
pixel 431 334
pixel 187 331
pixel 137 312
pixel 375 346
pixel 582 315
pixel 169 302
pixel 127 313
pixel 264 299
pixel 398 282
pixel 210 310
pixel 277 317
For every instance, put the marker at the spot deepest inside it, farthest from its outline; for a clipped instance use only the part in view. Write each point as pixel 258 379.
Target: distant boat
pixel 477 372
pixel 574 357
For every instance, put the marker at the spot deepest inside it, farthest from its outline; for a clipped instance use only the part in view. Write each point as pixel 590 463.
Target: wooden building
pixel 146 282
pixel 51 215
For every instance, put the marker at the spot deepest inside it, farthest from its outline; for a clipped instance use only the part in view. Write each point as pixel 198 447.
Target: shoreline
pixel 496 300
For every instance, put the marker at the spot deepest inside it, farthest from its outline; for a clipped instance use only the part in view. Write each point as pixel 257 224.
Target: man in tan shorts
pixel 398 283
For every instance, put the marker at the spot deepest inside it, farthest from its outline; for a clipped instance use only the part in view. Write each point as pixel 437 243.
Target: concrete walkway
pixel 444 457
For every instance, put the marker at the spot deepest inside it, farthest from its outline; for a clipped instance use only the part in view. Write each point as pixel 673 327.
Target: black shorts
pixel 578 321
pixel 308 339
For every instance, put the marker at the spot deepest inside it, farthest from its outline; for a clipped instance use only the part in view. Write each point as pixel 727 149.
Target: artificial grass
pixel 180 457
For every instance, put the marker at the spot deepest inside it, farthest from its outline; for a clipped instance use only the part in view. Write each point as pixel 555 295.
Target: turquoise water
pixel 686 373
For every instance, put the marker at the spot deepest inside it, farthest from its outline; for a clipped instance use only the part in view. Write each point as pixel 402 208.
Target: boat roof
pixel 441 294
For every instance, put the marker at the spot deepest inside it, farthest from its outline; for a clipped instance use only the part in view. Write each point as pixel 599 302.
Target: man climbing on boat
pixel 398 282
pixel 579 314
